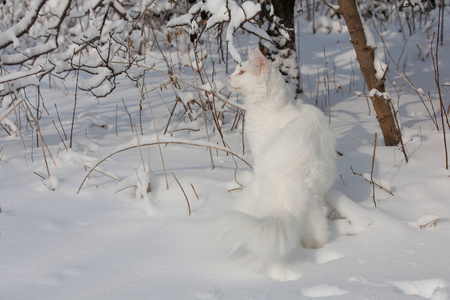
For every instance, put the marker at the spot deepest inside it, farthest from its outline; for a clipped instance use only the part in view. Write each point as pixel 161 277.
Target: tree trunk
pixel 277 17
pixel 365 54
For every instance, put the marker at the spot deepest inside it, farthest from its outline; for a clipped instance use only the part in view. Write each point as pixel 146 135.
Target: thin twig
pixel 371 171
pixel 402 144
pixel 175 78
pixel 54 124
pixel 157 136
pixel 60 123
pixel 405 77
pixel 438 85
pixel 371 182
pixel 75 103
pixel 117 132
pixel 129 115
pixel 328 85
pixel 171 115
pixel 38 129
pixel 201 104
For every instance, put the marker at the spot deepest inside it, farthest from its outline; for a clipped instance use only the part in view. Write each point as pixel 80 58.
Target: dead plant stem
pixel 438 85
pixel 201 101
pixel 60 123
pixel 184 193
pixel 156 134
pixel 195 192
pixel 371 171
pixel 140 150
pixel 75 103
pixel 159 143
pixel 38 129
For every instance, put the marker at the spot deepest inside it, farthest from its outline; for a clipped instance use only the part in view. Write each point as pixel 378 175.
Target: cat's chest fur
pixel 263 126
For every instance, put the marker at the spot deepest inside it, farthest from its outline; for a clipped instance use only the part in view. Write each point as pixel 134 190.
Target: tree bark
pixel 277 17
pixel 365 55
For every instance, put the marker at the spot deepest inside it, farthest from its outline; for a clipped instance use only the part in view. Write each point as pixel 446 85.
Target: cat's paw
pixel 312 242
pixel 281 272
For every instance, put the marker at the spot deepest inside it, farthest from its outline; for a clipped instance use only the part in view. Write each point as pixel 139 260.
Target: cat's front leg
pixel 315 231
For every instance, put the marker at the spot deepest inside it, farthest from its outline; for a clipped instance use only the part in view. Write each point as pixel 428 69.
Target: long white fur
pixel 294 168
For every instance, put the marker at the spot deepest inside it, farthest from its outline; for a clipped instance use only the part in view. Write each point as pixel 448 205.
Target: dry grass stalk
pixel 45 158
pixel 195 192
pixel 159 143
pixel 185 196
pixel 140 150
pixel 42 177
pixel 149 187
pixel 433 222
pixel 10 110
pixel 100 172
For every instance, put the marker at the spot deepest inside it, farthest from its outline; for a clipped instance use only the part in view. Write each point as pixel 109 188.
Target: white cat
pixel 294 168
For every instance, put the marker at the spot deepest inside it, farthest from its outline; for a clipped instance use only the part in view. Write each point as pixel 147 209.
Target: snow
pixel 424 288
pixel 323 290
pixel 113 240
pixel 374 92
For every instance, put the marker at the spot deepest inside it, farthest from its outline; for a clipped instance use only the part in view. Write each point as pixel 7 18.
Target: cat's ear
pixel 250 53
pixel 259 61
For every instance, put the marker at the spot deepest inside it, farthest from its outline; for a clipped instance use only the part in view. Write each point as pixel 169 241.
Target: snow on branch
pixel 12 34
pixel 99 38
pixel 221 15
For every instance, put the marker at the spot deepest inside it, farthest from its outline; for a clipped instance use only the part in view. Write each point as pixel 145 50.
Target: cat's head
pixel 251 76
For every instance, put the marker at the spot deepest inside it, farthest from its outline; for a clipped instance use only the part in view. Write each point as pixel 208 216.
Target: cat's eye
pixel 241 72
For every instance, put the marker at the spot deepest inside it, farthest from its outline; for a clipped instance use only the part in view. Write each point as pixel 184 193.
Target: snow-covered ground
pixel 107 243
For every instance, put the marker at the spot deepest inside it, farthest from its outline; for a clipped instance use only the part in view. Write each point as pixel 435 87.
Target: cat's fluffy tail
pixel 270 238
